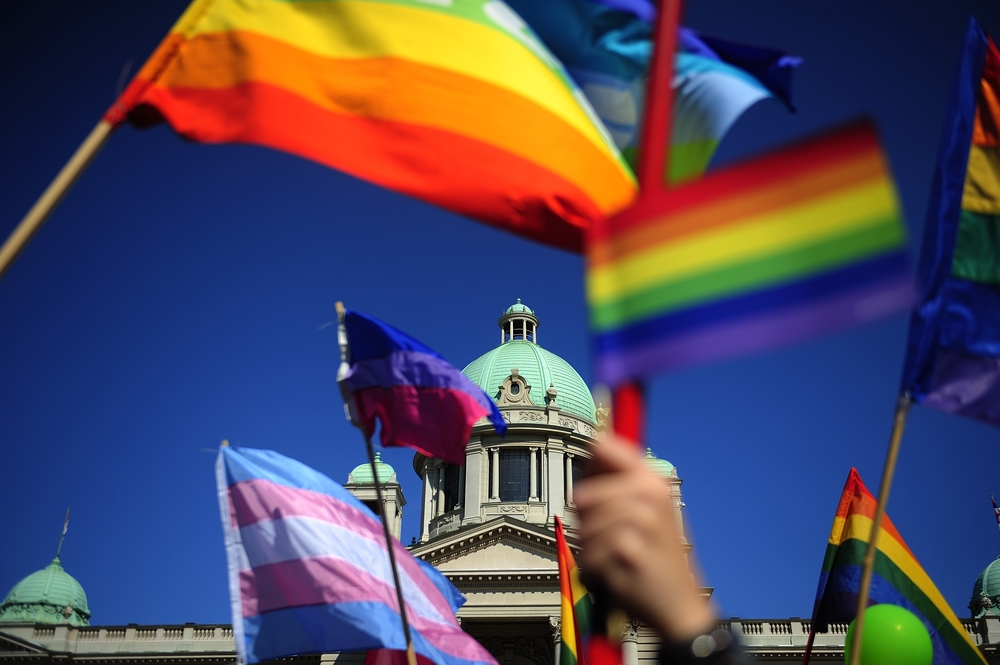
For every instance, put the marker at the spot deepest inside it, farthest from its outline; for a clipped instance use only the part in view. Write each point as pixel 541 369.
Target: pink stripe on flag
pixel 422 418
pixel 328 581
pixel 253 500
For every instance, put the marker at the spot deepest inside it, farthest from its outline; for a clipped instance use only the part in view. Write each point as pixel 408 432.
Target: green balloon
pixel 892 636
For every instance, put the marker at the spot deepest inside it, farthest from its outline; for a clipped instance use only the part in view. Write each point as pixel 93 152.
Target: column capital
pixel 555 624
pixel 630 631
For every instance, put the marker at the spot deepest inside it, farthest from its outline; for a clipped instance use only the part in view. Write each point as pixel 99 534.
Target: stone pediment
pixel 11 645
pixel 503 544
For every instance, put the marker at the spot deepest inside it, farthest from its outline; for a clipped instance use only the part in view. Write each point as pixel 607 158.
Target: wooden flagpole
pixel 53 194
pixel 411 655
pixel 868 564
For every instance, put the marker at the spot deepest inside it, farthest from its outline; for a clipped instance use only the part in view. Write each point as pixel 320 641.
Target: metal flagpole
pixel 868 564
pixel 53 194
pixel 996 509
pixel 63 536
pixel 411 655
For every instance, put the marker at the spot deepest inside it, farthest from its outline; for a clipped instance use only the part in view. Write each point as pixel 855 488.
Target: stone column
pixel 495 479
pixel 554 468
pixel 425 512
pixel 440 490
pixel 630 643
pixel 474 474
pixel 555 623
pixel 461 486
pixel 532 474
pixel 569 479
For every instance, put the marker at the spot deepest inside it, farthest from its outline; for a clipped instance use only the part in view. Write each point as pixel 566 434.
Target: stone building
pixel 487 525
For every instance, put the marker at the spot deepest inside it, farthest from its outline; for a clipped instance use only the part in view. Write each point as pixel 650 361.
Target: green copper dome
pixel 362 474
pixel 49 596
pixel 986 591
pixel 660 466
pixel 540 368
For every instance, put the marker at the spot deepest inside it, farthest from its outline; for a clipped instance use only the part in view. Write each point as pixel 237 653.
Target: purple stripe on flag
pixel 764 330
pixel 412 368
pixel 251 500
pixel 293 584
pixel 965 385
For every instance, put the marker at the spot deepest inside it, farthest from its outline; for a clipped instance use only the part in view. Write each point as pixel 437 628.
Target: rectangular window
pixel 514 474
pixel 452 490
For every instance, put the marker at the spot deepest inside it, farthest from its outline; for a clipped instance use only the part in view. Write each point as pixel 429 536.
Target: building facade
pixel 487 525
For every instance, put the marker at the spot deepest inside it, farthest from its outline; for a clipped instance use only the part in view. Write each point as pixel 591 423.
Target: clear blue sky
pixel 179 296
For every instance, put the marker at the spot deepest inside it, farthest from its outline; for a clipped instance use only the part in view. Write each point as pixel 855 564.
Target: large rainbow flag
pixel 953 351
pixel 802 241
pixel 456 103
pixel 898 578
pixel 574 602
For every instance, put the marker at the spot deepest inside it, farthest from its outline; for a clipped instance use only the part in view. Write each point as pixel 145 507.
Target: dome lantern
pixel 518 323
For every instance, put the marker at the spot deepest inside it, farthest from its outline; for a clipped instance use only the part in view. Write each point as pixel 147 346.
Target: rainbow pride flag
pixel 953 354
pixel 574 603
pixel 799 242
pixel 898 578
pixel 455 103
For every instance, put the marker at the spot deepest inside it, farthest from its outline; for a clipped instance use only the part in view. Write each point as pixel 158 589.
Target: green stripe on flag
pixel 733 280
pixel 977 248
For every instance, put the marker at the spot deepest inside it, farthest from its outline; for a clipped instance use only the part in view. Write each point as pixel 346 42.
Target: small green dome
pixel 49 596
pixel 518 308
pixel 986 591
pixel 362 474
pixel 660 466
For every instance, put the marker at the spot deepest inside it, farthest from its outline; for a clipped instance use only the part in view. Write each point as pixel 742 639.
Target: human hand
pixel 631 545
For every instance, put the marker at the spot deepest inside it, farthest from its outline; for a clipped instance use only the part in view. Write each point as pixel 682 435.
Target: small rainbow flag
pixel 456 103
pixel 798 242
pixel 898 578
pixel 575 603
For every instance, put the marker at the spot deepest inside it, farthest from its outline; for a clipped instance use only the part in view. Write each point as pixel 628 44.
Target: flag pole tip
pixel 225 443
pixel 339 305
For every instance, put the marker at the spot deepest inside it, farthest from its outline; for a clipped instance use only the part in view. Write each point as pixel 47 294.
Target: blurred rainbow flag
pixel 455 103
pixel 799 242
pixel 953 351
pixel 898 578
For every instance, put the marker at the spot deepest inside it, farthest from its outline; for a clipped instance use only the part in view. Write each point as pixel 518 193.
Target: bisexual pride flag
pixel 420 399
pixel 309 570
pixel 953 351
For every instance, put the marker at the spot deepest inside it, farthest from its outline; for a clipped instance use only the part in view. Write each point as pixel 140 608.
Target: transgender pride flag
pixel 309 571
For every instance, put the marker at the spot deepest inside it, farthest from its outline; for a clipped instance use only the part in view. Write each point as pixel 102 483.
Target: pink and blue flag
pixel 309 571
pixel 420 399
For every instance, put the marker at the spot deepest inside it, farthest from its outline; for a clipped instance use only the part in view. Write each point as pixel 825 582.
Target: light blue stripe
pixel 293 538
pixel 251 463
